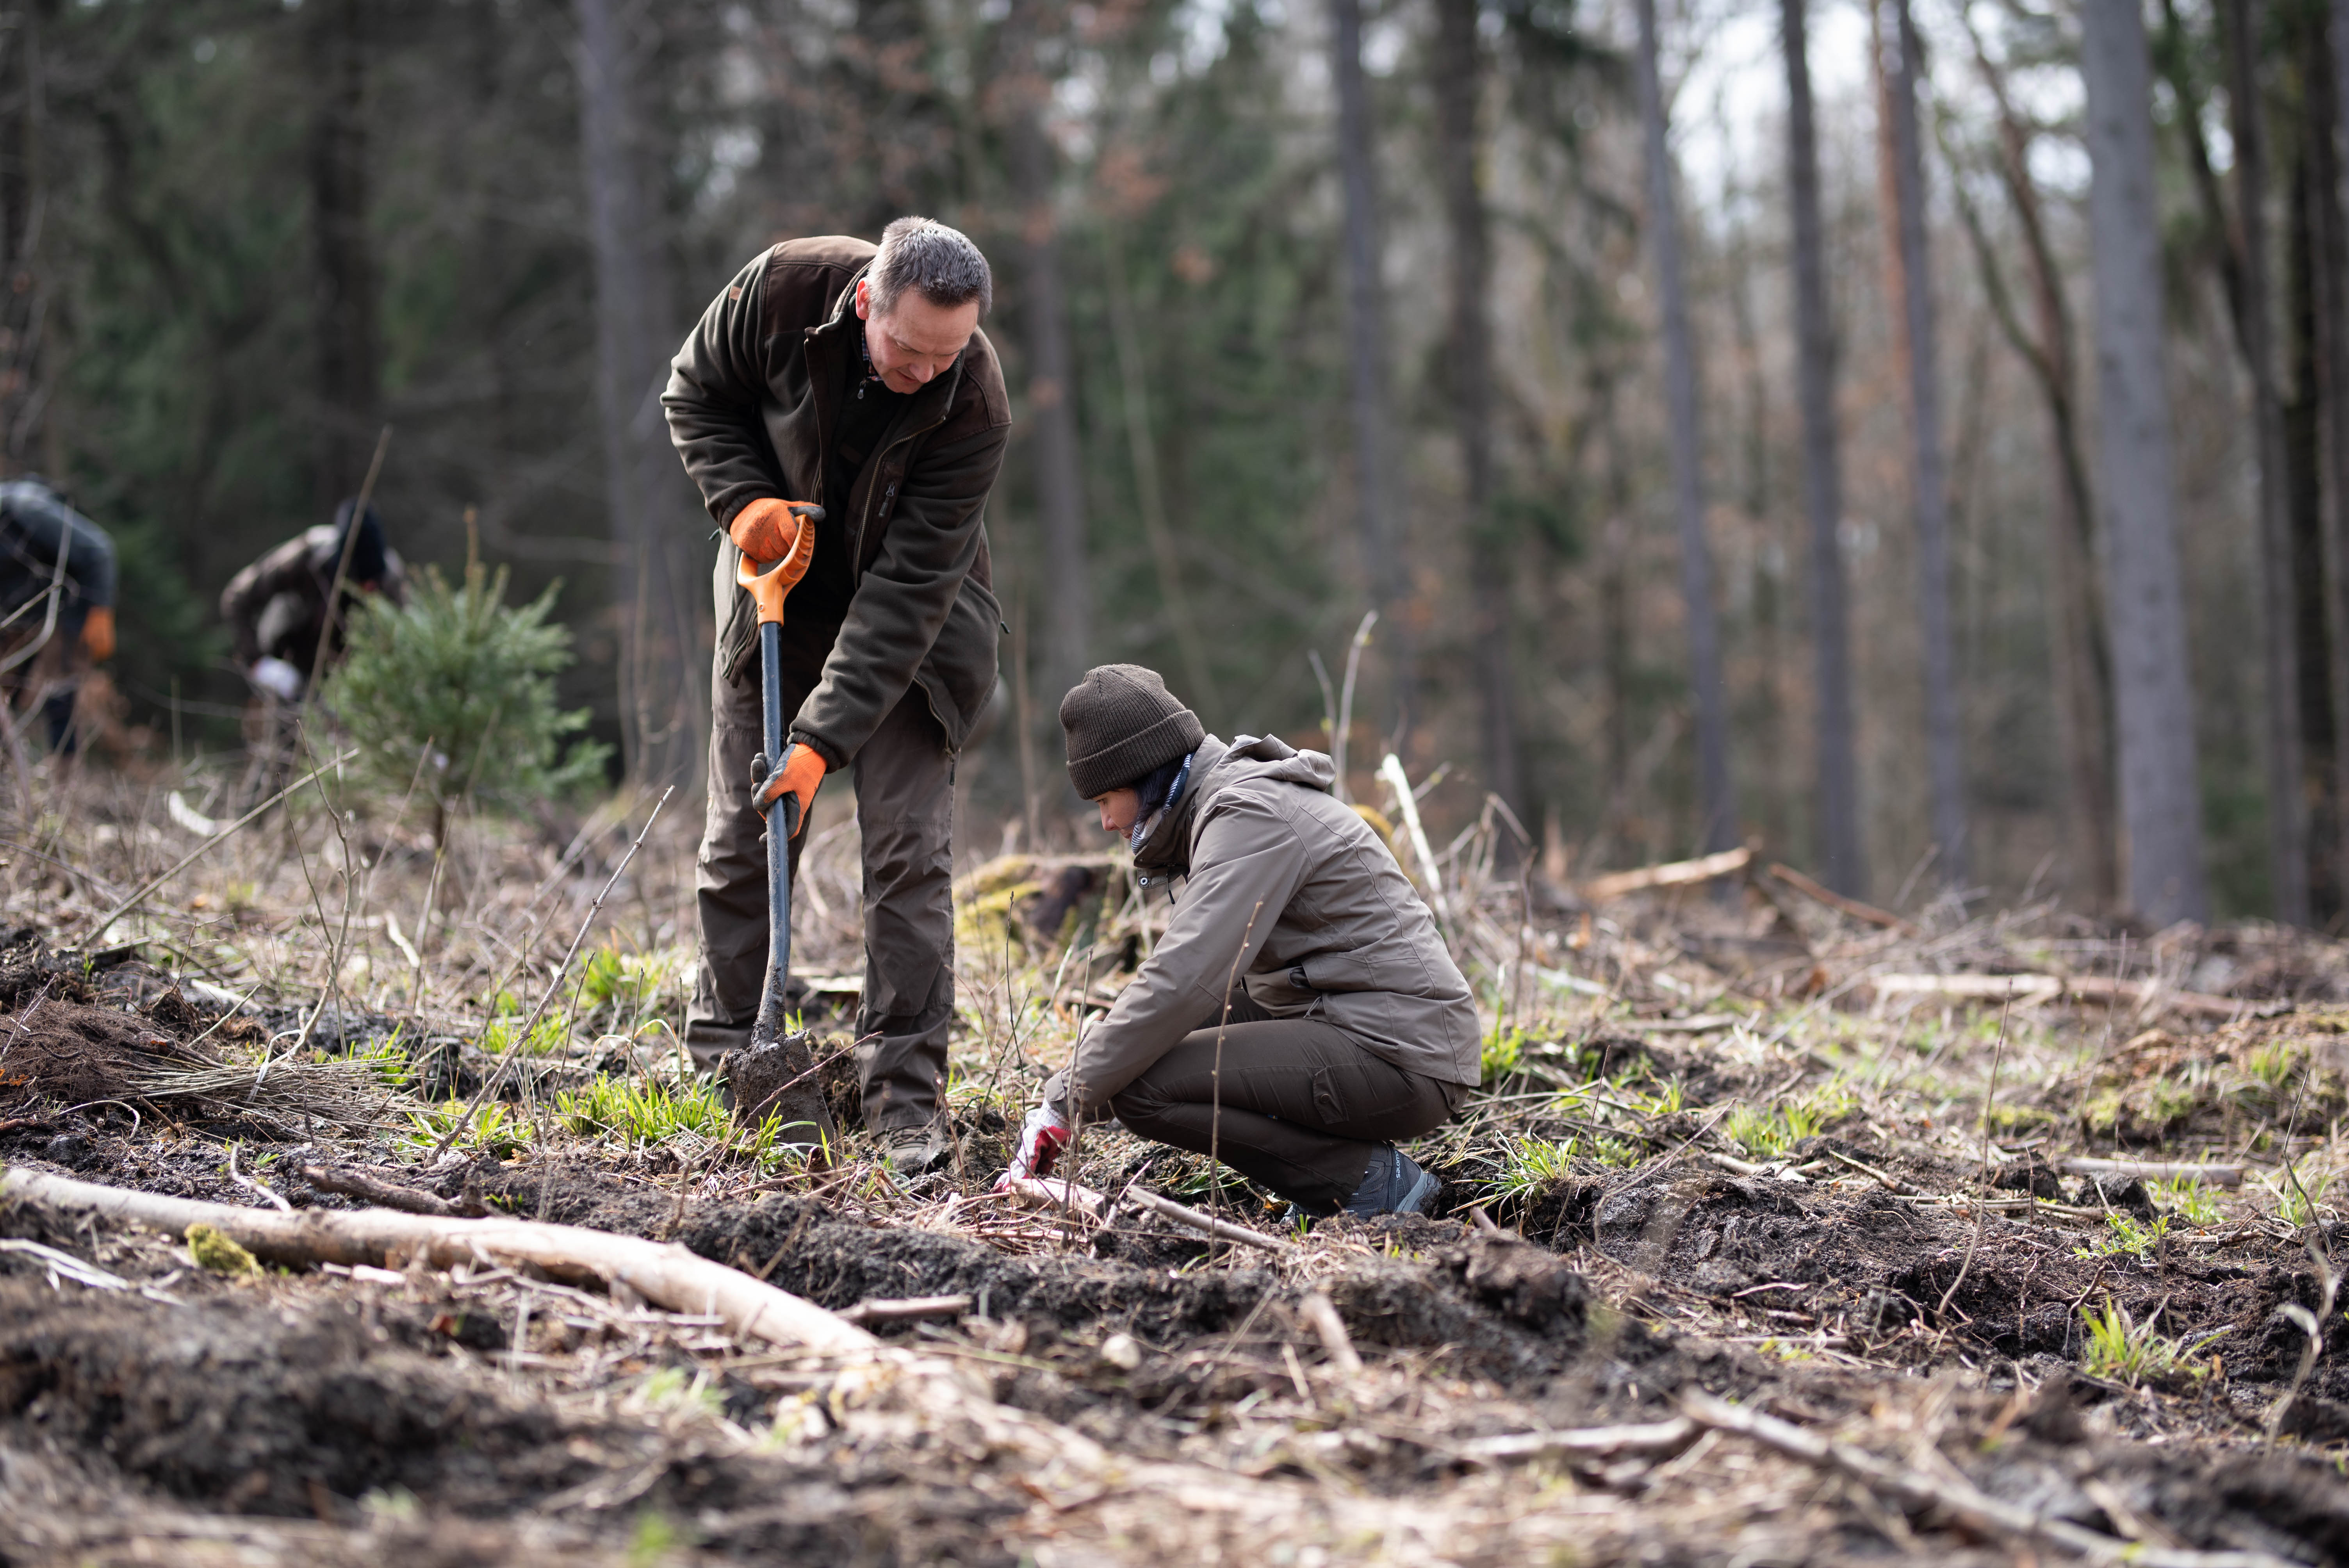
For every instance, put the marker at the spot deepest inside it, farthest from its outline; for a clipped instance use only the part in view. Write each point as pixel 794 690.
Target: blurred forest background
pixel 1312 307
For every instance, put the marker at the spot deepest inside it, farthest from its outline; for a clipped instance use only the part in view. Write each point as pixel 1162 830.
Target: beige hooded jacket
pixel 1291 892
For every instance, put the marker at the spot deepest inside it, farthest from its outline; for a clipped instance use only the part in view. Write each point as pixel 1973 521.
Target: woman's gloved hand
pixel 1042 1138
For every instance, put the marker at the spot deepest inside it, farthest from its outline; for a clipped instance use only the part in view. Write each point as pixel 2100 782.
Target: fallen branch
pixel 1671 873
pixel 1591 1442
pixel 1960 1499
pixel 1835 901
pixel 2155 1170
pixel 390 1195
pixel 667 1275
pixel 1890 1183
pixel 1094 1205
pixel 902 1309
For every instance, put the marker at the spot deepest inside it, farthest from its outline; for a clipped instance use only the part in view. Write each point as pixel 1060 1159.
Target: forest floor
pixel 1759 1244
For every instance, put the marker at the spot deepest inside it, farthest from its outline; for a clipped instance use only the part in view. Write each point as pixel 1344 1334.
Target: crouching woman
pixel 1300 1013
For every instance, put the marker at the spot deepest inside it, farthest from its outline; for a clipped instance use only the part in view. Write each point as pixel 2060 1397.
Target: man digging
pixel 855 378
pixel 1301 1013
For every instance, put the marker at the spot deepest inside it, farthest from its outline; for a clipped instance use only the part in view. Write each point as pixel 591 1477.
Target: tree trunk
pixel 1151 495
pixel 23 202
pixel 1717 802
pixel 2083 682
pixel 1060 479
pixel 342 280
pixel 1457 81
pixel 2287 830
pixel 2328 101
pixel 2153 700
pixel 1898 69
pixel 1378 510
pixel 663 695
pixel 1842 858
pixel 2303 411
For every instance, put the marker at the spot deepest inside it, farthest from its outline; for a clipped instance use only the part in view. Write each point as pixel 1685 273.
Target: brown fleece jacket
pixel 751 409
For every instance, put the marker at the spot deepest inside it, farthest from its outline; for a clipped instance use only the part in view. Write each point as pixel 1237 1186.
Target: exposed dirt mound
pixel 211 1401
pixel 301 1412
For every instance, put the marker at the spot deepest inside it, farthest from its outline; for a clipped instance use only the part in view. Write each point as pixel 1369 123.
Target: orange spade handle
pixel 771 583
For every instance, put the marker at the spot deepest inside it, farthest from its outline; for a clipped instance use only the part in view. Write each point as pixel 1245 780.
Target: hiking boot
pixel 910 1151
pixel 1394 1185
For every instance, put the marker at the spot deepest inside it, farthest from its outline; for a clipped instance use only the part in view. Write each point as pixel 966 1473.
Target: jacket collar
pixel 1165 847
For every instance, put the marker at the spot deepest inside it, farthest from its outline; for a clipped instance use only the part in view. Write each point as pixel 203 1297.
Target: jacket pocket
pixel 959 673
pixel 739 637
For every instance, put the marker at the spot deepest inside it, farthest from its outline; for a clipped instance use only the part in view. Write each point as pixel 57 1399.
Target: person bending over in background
pixel 1350 1027
pixel 277 607
pixel 49 645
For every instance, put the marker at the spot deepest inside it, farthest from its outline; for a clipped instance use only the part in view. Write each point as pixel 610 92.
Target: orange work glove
pixel 97 632
pixel 766 529
pixel 801 771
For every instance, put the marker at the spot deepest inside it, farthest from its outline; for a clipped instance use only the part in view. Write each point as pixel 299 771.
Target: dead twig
pixel 1093 1205
pixel 192 856
pixel 250 1185
pixel 1827 895
pixel 390 1195
pixel 1320 1314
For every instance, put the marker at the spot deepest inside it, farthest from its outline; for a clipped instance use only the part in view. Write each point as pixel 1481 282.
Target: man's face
pixel 916 340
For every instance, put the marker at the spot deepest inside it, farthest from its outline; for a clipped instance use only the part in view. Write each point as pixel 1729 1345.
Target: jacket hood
pixel 1165 849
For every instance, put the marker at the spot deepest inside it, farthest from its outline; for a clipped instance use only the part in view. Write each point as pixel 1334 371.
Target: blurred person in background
pixel 52 639
pixel 1301 1014
pixel 277 607
pixel 276 613
pixel 832 372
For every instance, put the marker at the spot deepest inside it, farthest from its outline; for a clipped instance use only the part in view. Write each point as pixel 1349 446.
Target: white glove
pixel 276 676
pixel 1042 1138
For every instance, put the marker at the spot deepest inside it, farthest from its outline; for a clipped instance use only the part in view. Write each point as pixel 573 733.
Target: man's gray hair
pixel 940 264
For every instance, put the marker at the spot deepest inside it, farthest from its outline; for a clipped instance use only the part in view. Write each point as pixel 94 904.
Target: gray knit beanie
pixel 1122 723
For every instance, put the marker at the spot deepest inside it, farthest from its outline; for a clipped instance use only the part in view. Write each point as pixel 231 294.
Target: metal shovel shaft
pixel 782 822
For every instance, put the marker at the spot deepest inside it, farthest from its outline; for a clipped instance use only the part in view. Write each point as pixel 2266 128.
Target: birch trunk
pixel 1716 798
pixel 2152 698
pixel 1843 861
